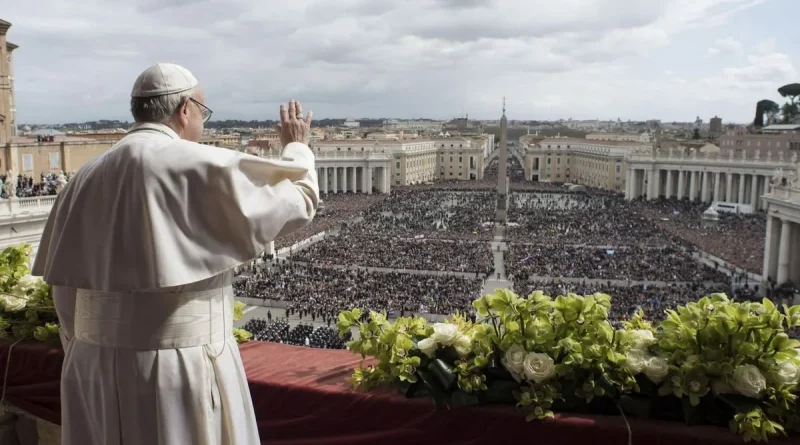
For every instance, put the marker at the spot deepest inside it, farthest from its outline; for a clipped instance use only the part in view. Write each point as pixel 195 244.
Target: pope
pixel 140 248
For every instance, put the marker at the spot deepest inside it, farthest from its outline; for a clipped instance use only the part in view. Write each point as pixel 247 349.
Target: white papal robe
pixel 139 248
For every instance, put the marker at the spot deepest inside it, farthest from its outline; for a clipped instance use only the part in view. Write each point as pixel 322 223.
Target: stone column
pixel 741 188
pixel 704 188
pixel 717 179
pixel 353 179
pixel 668 191
pixel 369 180
pixel 784 249
pixel 769 245
pixel 754 192
pixel 325 180
pixel 363 179
pixel 728 187
pixel 681 184
pixel 651 179
pixel 335 179
pixel 629 184
pixel 692 185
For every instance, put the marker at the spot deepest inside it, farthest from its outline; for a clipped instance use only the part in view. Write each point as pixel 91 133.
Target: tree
pixel 790 109
pixel 768 107
pixel 696 134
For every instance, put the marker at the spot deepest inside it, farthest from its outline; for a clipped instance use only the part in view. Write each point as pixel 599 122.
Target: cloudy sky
pixel 584 59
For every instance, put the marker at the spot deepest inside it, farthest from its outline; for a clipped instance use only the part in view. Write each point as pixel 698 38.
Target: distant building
pixel 620 137
pixel 413 125
pixel 715 128
pixel 781 140
pixel 8 111
pixel 351 123
pixel 593 163
pixel 222 140
pixel 31 157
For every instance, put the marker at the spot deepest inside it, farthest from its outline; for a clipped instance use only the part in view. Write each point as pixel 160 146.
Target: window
pixel 549 161
pixel 27 162
pixel 619 168
pixel 451 159
pixel 55 163
pixel 398 164
pixel 558 161
pixel 460 159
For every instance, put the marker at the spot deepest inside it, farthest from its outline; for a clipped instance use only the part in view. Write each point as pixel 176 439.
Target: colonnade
pixel 698 185
pixel 354 179
pixel 781 250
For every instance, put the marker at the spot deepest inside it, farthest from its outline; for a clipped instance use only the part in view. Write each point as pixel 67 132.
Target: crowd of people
pixel 628 263
pixel 339 208
pixel 318 293
pixel 399 253
pixel 409 213
pixel 279 331
pixel 446 226
pixel 736 238
pixel 25 186
pixel 581 219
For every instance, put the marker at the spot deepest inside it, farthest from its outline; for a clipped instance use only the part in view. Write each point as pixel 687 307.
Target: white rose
pixel 787 373
pixel 538 367
pixel 642 338
pixel 748 381
pixel 635 361
pixel 12 303
pixel 513 359
pixel 445 333
pixel 463 345
pixel 427 346
pixel 656 369
pixel 25 285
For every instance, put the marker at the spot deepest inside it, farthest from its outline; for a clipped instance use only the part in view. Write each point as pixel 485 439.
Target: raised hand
pixel 294 127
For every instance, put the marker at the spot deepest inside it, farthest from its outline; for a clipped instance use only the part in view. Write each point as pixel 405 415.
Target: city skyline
pixel 668 60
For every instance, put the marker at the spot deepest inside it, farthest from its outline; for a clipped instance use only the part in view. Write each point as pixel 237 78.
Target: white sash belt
pixel 153 320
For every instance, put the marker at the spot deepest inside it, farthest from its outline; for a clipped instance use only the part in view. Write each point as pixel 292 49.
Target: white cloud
pixel 726 47
pixel 766 47
pixel 390 58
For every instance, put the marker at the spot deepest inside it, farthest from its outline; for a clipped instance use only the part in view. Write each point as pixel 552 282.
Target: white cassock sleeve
pixel 258 200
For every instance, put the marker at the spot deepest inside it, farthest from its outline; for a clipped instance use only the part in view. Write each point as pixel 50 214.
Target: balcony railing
pixel 786 193
pixel 17 206
pixel 725 157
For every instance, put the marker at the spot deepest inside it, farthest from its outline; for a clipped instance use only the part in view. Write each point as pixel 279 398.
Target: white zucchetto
pixel 162 79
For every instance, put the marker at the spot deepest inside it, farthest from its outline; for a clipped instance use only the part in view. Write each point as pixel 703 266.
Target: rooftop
pixel 781 127
pixel 561 141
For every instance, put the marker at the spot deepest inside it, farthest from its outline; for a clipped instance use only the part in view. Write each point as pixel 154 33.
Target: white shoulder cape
pixel 157 211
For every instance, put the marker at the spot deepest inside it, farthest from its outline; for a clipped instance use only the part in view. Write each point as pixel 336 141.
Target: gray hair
pixel 157 108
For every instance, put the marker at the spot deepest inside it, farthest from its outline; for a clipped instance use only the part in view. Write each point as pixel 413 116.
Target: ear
pixel 183 112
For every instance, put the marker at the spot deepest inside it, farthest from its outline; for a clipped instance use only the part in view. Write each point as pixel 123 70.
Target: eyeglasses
pixel 206 112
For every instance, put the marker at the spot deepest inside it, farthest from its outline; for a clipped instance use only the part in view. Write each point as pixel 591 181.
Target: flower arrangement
pixel 26 303
pixel 711 362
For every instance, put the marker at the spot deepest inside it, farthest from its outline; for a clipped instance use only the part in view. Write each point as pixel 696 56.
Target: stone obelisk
pixel 502 170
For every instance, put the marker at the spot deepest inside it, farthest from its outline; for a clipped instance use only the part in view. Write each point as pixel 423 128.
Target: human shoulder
pixel 181 155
